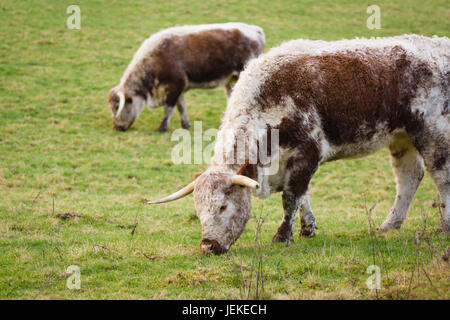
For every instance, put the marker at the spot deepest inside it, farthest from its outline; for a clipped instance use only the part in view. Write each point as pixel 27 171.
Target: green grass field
pixel 59 154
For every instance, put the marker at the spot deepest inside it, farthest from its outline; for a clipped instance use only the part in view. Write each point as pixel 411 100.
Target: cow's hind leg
pixel 437 160
pixel 181 105
pixel 442 180
pixel 307 219
pixel 408 168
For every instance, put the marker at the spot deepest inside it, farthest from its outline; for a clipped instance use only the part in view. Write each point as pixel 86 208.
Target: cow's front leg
pixel 181 105
pixel 168 111
pixel 301 170
pixel 307 219
pixel 173 93
pixel 291 203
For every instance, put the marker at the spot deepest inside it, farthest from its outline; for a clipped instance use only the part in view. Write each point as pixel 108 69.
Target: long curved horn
pixel 244 181
pixel 177 195
pixel 121 103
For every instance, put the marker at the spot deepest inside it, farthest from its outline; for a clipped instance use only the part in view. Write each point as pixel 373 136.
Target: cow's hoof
pixel 185 125
pixel 309 230
pixel 282 238
pixel 162 129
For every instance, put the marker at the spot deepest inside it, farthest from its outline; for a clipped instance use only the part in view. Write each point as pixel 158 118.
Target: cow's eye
pixel 223 208
pixel 128 100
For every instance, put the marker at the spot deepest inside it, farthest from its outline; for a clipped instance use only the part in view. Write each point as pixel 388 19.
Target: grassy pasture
pixel 59 154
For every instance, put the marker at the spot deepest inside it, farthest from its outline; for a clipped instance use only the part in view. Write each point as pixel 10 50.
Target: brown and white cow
pixel 329 101
pixel 177 59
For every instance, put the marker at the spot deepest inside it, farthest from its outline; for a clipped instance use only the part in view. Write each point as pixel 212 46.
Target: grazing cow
pixel 328 101
pixel 177 59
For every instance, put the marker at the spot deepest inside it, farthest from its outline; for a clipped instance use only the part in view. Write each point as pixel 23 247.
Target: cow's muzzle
pixel 123 127
pixel 211 246
pixel 120 128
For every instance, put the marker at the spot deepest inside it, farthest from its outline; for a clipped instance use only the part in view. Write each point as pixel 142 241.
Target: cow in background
pixel 177 59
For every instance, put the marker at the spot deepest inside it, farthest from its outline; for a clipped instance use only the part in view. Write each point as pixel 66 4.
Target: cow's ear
pixel 197 175
pixel 245 165
pixel 128 98
pixel 248 170
pixel 112 95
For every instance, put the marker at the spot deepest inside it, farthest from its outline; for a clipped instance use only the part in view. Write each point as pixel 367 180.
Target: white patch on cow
pixel 327 151
pixel 158 96
pixel 429 103
pixel 269 184
pixel 379 140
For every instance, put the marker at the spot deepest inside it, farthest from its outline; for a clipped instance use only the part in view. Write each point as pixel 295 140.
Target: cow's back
pixel 212 46
pixel 208 55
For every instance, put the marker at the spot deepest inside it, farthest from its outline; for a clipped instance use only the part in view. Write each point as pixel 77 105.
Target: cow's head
pixel 222 201
pixel 125 107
